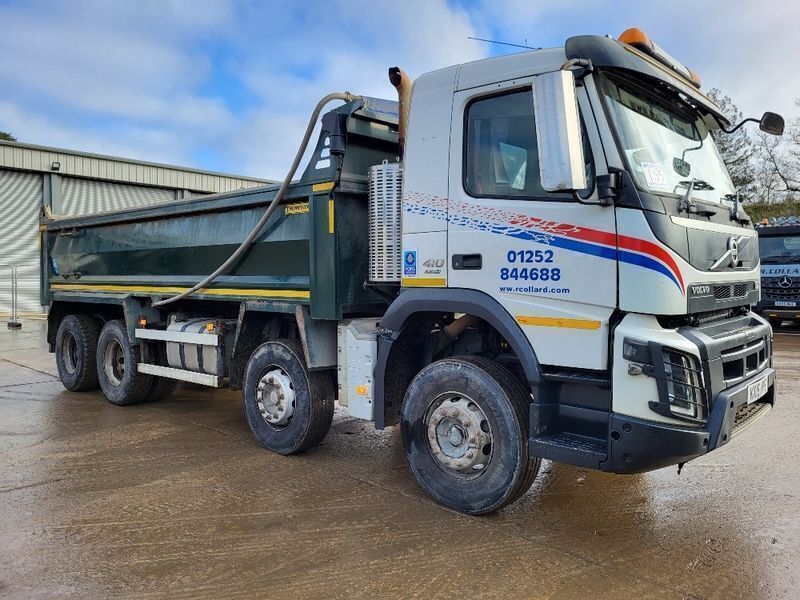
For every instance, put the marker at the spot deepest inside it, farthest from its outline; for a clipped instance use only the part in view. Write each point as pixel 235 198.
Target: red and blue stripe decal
pixel 594 242
pixel 624 248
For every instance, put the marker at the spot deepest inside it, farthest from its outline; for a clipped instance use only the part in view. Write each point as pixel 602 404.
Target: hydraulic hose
pixel 248 241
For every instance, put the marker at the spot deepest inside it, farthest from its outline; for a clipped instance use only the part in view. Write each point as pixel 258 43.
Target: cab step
pixel 570 448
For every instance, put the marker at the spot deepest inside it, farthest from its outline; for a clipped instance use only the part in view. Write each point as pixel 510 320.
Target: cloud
pixel 229 84
pixel 349 49
pixel 744 48
pixel 112 77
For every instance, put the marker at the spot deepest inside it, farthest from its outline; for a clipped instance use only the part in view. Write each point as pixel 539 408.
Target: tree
pixel 778 163
pixel 7 137
pixel 736 148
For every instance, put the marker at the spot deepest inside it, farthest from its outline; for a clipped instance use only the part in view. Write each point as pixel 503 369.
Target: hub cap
pixel 459 435
pixel 69 352
pixel 275 398
pixel 114 362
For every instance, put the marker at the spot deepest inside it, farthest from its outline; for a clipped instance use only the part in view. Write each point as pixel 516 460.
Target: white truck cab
pixel 573 201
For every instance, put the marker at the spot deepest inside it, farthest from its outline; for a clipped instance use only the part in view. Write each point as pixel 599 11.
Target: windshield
pixel 779 250
pixel 665 141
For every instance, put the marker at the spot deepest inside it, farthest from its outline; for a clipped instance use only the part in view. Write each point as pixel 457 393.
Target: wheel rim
pixel 114 362
pixel 275 397
pixel 69 353
pixel 459 435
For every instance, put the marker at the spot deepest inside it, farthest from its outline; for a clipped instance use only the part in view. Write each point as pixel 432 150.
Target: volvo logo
pixel 785 282
pixel 733 248
pixel 731 256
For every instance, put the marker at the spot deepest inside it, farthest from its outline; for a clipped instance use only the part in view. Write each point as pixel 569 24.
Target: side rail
pixel 14 323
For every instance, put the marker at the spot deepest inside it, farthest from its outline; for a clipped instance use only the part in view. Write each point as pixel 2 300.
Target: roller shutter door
pixel 88 196
pixel 20 199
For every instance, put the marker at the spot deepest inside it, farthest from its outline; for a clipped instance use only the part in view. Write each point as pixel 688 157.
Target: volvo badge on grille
pixel 785 282
pixel 731 256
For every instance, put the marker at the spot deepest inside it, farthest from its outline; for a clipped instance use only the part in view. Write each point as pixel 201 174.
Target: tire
pixel 464 424
pixel 117 364
pixel 299 419
pixel 162 386
pixel 76 347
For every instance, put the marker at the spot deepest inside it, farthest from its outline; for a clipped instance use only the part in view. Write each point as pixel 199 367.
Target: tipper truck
pixel 533 256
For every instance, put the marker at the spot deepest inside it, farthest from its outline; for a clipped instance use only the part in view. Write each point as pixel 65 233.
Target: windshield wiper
pixel 737 214
pixel 687 204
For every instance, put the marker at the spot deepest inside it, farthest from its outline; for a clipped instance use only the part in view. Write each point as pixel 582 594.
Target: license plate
pixel 757 389
pixel 787 303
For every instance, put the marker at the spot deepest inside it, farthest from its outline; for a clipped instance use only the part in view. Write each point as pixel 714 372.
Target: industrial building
pixel 68 182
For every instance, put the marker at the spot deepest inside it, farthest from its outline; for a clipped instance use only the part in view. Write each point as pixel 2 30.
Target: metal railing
pixel 14 323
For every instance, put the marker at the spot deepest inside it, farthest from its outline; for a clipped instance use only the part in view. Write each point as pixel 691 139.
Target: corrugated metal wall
pixel 27 157
pixel 20 199
pixel 86 196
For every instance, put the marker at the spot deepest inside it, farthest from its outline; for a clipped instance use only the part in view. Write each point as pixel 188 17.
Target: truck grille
pixel 732 291
pixel 744 360
pixel 772 289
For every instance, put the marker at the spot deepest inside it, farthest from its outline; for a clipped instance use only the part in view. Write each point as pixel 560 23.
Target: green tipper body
pixel 313 251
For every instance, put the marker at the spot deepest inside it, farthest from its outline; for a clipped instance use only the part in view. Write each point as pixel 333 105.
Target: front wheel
pixel 464 428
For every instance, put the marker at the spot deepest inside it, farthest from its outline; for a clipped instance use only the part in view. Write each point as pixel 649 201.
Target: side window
pixel 501 159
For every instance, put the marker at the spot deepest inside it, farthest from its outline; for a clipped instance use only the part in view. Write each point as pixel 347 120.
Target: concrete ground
pixel 175 500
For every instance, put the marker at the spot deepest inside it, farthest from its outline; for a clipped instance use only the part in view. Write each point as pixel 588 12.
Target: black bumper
pixel 636 445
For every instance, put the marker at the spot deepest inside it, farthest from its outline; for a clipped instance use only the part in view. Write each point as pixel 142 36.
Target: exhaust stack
pixel 402 84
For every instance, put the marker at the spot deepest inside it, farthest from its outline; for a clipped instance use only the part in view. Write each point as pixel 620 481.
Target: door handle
pixel 467 262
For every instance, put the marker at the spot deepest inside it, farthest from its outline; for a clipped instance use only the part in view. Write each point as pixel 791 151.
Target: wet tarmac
pixel 175 500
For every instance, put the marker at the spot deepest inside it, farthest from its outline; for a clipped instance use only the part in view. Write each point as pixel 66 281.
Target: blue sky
pixel 227 84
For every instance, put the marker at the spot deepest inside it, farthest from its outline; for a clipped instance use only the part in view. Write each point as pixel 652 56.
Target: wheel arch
pixel 417 308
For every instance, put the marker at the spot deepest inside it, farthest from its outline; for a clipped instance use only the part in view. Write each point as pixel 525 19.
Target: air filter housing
pixel 385 232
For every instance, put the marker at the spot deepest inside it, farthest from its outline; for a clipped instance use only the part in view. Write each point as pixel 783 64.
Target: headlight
pixel 681 393
pixel 685 392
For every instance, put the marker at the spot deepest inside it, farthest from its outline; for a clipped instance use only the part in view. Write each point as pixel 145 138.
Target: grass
pixel 760 211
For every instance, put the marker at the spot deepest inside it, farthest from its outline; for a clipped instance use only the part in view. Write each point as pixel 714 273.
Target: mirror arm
pixel 733 129
pixel 584 64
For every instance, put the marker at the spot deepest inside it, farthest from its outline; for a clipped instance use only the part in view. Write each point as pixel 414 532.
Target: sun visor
pixel 610 53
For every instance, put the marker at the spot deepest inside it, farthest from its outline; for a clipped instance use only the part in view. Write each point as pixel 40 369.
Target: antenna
pixel 503 43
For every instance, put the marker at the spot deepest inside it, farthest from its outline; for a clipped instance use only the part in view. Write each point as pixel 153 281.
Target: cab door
pixel 547 258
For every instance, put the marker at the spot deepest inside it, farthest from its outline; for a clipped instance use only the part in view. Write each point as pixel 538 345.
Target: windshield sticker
pixel 654 175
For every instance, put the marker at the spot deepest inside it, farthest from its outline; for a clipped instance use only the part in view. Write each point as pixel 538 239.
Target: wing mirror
pixel 771 123
pixel 558 132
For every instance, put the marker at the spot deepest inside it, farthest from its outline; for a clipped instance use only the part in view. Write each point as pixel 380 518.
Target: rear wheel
pixel 289 409
pixel 76 347
pixel 162 386
pixel 464 428
pixel 117 362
